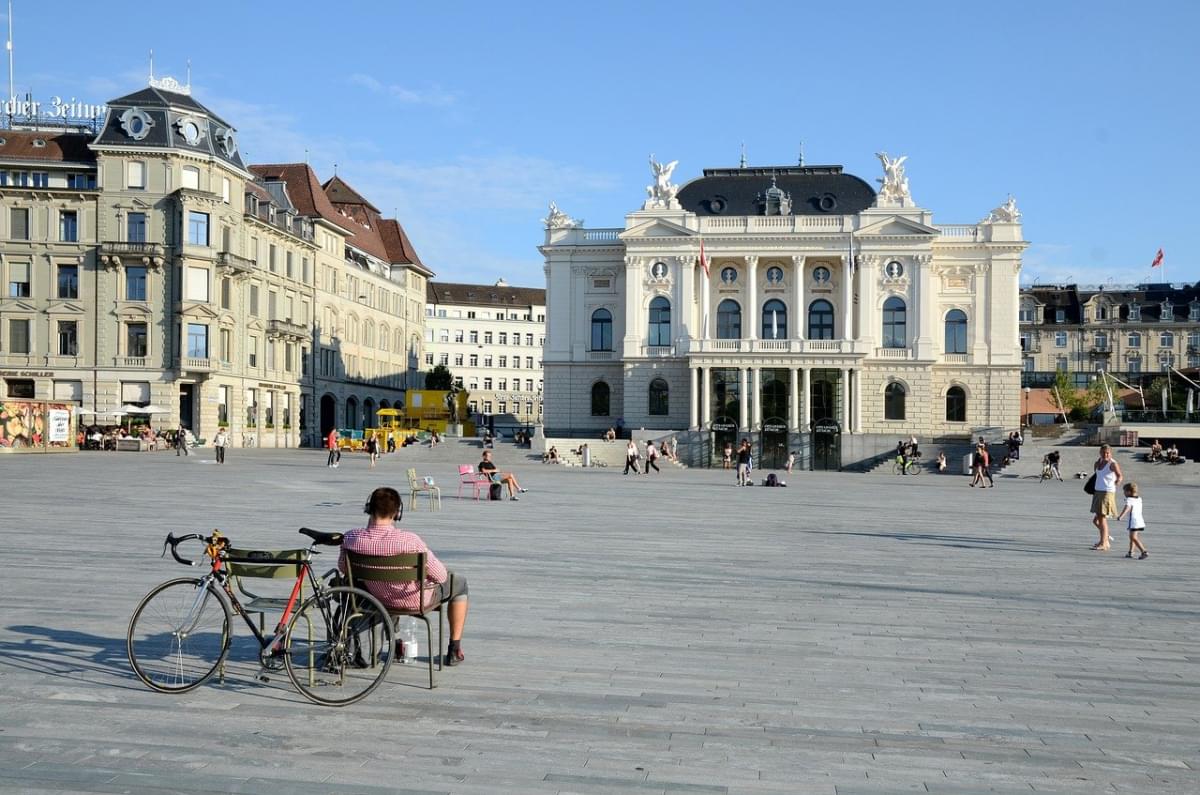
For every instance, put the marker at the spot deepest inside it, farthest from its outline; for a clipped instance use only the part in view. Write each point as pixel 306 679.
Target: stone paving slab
pixel 655 634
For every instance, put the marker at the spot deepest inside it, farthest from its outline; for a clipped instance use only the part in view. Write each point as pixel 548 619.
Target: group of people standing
pixel 1106 476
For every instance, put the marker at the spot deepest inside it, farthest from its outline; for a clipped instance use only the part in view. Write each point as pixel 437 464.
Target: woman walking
pixel 1104 501
pixel 631 457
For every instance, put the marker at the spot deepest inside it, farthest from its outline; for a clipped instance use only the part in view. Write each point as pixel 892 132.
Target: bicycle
pixel 179 634
pixel 907 466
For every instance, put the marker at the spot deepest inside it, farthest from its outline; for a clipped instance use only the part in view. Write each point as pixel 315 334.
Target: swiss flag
pixel 1158 258
pixel 704 262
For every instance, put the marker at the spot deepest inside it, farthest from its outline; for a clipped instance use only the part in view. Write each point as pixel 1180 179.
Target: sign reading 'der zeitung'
pixel 56 108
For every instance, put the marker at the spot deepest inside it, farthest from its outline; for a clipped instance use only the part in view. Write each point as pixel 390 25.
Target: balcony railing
pixel 286 328
pixel 114 253
pixel 130 361
pixel 658 351
pixel 893 353
pixel 772 346
pixel 197 364
pixel 235 264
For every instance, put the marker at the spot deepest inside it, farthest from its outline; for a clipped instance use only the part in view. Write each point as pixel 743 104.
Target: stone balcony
pixel 196 364
pixel 286 328
pixel 231 264
pixel 117 253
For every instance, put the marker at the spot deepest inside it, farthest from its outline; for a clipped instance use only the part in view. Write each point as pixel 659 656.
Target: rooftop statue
pixel 557 219
pixel 894 185
pixel 1006 213
pixel 662 192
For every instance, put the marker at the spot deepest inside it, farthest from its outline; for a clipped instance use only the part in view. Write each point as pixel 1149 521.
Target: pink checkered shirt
pixel 389 540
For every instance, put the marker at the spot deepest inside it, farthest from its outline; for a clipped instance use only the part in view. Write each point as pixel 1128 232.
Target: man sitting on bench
pixel 507 478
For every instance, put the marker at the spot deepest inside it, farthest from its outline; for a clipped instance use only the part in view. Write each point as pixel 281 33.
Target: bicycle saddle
pixel 324 539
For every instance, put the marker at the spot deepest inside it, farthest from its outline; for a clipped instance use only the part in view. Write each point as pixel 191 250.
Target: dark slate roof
pixel 815 190
pixel 484 294
pixel 1148 297
pixel 164 108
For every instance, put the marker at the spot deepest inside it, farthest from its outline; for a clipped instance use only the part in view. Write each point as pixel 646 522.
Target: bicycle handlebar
pixel 172 541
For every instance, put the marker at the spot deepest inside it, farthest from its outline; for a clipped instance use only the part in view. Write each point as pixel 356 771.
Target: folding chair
pixel 417 486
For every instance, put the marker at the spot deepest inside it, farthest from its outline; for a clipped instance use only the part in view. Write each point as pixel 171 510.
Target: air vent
pixel 39 143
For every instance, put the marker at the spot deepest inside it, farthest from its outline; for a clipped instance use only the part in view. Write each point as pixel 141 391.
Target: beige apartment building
pixel 145 263
pixel 491 338
pixel 1126 331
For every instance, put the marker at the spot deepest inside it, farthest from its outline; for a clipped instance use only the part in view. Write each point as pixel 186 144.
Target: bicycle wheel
pixel 179 635
pixel 898 468
pixel 914 468
pixel 339 646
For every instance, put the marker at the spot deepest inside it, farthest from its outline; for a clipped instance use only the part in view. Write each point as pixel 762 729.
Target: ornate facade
pixel 147 264
pixel 831 309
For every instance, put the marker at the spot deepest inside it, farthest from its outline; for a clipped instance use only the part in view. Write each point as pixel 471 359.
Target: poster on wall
pixel 58 425
pixel 17 425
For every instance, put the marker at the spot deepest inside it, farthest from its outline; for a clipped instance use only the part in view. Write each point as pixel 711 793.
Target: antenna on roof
pixel 335 169
pixel 742 164
pixel 151 64
pixel 189 75
pixel 801 160
pixel 12 92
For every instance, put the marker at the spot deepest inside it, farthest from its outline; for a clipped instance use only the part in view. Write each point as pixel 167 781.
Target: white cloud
pixel 433 95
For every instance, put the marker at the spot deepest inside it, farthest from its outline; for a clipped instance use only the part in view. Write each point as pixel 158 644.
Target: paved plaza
pixel 661 634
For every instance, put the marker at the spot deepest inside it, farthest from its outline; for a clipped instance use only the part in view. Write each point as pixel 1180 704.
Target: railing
pixel 601 235
pixel 131 361
pixel 286 328
pixel 771 346
pixel 599 355
pixel 658 351
pixel 1150 416
pixel 893 353
pixel 776 223
pixel 131 249
pixel 236 263
pixel 956 358
pixel 196 363
pixel 970 231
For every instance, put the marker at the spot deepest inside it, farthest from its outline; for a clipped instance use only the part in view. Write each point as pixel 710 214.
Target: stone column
pixel 858 380
pixel 706 397
pixel 751 298
pixel 845 386
pixel 793 399
pixel 631 340
pixel 756 417
pixel 693 399
pixel 705 302
pixel 743 394
pixel 799 311
pixel 806 385
pixel 847 301
pixel 926 308
pixel 683 317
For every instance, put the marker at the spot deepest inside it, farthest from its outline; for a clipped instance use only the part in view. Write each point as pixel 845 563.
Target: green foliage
pixel 439 378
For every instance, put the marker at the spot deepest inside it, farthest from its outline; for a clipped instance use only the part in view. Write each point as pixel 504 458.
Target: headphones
pixel 384 491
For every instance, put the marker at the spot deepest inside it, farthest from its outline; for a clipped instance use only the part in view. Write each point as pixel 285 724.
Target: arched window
pixel 351 413
pixel 893 401
pixel 820 320
pixel 660 322
pixel 956 404
pixel 774 320
pixel 602 332
pixel 729 320
pixel 659 404
pixel 600 394
pixel 956 331
pixel 895 323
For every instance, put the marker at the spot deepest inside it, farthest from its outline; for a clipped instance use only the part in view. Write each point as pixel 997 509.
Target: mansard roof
pixel 64 147
pixel 814 190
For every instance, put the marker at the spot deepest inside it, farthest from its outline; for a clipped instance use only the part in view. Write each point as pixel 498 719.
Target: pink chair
pixel 467 476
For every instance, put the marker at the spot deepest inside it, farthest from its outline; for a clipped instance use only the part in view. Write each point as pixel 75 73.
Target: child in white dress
pixel 1137 522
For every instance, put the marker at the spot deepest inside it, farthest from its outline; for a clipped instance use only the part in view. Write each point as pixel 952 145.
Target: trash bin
pixel 968 459
pixel 587 456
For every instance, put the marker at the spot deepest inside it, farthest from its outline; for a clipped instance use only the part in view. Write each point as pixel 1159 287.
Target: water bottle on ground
pixel 408 634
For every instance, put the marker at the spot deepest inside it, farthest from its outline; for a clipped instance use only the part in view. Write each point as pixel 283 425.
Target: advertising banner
pixel 34 426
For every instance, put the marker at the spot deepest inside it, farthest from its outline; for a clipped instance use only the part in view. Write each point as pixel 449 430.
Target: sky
pixel 463 120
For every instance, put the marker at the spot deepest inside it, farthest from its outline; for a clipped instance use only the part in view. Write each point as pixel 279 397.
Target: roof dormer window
pixel 1135 312
pixel 1168 312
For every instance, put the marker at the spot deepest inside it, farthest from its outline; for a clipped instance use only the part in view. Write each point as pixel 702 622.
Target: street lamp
pixel 1027 418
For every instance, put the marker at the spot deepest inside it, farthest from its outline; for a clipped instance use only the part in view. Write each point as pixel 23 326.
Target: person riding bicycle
pixel 382 537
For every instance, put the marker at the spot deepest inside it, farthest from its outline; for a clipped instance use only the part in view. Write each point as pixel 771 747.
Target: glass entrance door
pixel 826 445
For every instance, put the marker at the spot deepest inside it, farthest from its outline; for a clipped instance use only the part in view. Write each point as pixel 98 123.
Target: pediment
pixel 254 324
pixel 65 308
pixel 897 226
pixel 199 310
pixel 19 306
pixel 656 228
pixel 135 311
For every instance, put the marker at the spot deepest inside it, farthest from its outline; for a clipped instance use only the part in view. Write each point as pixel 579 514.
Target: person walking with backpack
pixel 651 457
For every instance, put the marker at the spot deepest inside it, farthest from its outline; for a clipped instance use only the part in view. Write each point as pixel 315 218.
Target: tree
pixel 439 378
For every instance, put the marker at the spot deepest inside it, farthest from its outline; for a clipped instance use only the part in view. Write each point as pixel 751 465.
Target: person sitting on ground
pixel 551 456
pixel 507 478
pixel 1172 454
pixel 1156 451
pixel 382 537
pixel 941 461
pixel 610 435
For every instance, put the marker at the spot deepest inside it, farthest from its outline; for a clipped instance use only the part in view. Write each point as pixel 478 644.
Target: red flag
pixel 1158 258
pixel 703 261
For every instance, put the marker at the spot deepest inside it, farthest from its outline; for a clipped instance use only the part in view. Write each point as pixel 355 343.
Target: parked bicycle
pixel 336 645
pixel 907 466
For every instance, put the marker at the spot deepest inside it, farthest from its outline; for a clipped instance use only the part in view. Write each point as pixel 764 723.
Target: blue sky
pixel 466 119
